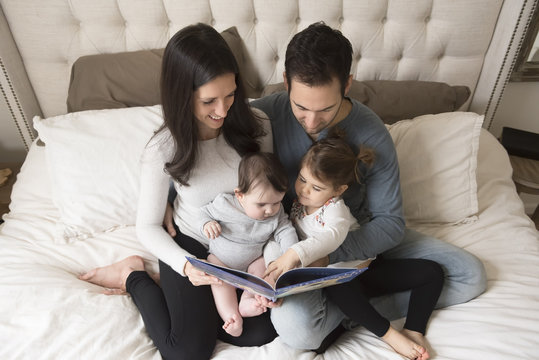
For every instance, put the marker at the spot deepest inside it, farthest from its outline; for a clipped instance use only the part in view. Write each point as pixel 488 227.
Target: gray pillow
pixel 397 100
pixel 128 79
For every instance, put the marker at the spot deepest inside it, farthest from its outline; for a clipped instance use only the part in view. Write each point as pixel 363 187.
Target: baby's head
pixel 262 183
pixel 327 169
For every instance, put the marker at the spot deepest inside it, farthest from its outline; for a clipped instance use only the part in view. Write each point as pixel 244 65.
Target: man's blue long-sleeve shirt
pixel 376 202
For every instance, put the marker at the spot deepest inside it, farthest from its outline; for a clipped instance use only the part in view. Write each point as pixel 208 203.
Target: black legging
pixel 423 277
pixel 181 318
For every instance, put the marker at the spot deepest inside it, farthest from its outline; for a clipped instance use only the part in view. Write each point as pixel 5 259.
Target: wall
pixel 11 146
pixel 519 109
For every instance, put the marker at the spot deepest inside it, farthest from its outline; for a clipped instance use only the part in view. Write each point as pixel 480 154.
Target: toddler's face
pixel 261 202
pixel 312 192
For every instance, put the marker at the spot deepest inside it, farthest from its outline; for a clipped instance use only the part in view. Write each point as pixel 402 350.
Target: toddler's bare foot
pixel 250 307
pixel 420 339
pixel 234 325
pixel 113 277
pixel 404 345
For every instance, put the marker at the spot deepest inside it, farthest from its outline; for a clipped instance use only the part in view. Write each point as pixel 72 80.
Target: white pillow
pixel 94 165
pixel 438 159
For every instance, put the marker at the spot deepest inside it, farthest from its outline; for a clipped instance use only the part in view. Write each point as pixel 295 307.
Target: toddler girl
pixel 322 221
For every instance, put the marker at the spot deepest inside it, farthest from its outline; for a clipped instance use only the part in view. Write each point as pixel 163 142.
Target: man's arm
pixel 384 202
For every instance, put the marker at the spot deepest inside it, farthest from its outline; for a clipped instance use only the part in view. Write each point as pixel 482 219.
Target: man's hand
pixel 364 264
pixel 212 229
pixel 285 262
pixel 322 262
pixel 168 222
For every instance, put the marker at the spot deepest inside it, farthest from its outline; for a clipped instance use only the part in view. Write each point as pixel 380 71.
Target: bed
pixel 73 204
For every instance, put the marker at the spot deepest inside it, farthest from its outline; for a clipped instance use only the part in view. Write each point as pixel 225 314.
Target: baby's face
pixel 261 202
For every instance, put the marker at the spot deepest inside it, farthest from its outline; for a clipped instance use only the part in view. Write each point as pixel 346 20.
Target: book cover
pixel 291 282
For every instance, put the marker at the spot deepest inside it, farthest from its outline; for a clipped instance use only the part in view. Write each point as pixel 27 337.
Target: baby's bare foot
pixel 234 325
pixel 250 307
pixel 404 345
pixel 113 277
pixel 421 340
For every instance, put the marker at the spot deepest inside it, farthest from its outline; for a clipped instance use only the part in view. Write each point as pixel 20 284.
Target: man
pixel 317 79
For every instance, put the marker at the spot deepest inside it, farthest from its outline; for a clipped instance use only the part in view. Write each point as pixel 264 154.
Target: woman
pixel 208 127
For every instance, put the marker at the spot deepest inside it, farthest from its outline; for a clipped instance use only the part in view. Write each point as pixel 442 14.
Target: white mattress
pixel 47 313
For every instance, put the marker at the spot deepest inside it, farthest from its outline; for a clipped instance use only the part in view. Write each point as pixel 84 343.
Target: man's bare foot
pixel 404 345
pixel 250 307
pixel 113 277
pixel 420 339
pixel 234 325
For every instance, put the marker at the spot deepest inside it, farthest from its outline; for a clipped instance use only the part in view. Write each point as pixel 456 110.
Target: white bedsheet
pixel 47 313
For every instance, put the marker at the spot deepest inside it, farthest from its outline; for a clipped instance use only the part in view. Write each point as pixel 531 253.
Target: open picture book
pixel 290 282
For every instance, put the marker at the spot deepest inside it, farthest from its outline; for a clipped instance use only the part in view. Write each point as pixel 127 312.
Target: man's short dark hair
pixel 317 54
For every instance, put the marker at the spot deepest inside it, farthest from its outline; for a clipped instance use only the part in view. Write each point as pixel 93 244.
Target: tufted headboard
pixel 460 42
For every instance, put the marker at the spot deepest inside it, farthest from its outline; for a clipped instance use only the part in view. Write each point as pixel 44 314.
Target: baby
pixel 240 224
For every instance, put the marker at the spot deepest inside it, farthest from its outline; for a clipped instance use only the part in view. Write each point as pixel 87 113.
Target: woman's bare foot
pixel 404 345
pixel 250 307
pixel 234 325
pixel 420 339
pixel 113 277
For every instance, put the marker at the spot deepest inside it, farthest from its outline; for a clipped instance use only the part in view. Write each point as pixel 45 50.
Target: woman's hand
pixel 212 229
pixel 168 222
pixel 197 277
pixel 285 262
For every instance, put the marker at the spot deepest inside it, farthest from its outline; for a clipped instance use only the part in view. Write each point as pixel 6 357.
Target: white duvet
pixel 47 313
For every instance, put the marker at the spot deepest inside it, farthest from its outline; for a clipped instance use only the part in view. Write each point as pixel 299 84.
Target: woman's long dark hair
pixel 194 56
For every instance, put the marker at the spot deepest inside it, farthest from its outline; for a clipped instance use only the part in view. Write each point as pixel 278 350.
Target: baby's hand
pixel 212 229
pixel 267 303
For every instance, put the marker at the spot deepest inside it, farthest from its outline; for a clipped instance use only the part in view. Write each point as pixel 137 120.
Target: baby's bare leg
pixel 226 302
pixel 114 276
pixel 404 345
pixel 249 306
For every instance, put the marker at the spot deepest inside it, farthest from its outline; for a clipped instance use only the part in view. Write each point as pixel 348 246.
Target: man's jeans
pixel 305 319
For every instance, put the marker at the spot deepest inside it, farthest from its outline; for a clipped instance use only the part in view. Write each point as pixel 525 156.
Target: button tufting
pixel 399 57
pixel 212 22
pixel 170 24
pixel 298 20
pixel 341 20
pixel 276 58
pixel 427 19
pixel 255 21
pixel 384 20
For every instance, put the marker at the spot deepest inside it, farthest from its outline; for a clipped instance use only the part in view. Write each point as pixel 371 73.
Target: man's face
pixel 315 107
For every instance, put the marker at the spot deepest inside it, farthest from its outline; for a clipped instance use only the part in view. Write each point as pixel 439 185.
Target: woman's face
pixel 211 103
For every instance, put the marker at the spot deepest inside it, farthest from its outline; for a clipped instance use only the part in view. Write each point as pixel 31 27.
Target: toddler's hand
pixel 285 262
pixel 212 229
